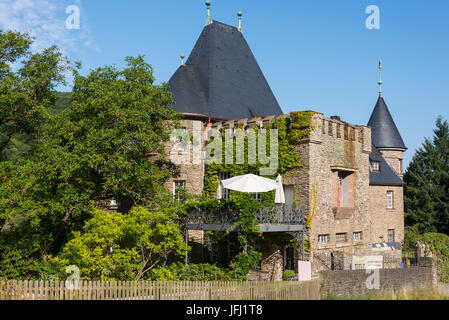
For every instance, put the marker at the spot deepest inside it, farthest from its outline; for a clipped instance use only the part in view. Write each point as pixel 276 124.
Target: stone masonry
pixel 350 214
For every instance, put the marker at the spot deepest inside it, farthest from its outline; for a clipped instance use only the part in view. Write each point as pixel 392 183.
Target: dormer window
pixel 374 166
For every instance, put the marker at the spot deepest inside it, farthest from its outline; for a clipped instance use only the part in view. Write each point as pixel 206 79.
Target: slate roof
pixel 384 132
pixel 222 79
pixel 386 175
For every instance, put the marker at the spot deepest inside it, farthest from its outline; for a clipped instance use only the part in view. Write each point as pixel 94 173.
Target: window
pixel 224 193
pixel 344 189
pixel 181 140
pixel 390 235
pixel 341 237
pixel 374 166
pixel 338 130
pixel 357 236
pixel 390 200
pixel 179 190
pixel 330 129
pixel 256 195
pixel 345 128
pixel 323 239
pixel 400 166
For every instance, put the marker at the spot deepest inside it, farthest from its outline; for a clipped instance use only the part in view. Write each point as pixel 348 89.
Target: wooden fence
pixel 158 290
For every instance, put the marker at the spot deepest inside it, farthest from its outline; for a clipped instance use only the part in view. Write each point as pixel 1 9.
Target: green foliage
pixel 123 246
pixel 301 127
pixel 62 102
pixel 290 132
pixel 247 226
pixel 93 151
pixel 26 94
pixel 436 243
pixel 195 272
pixel 287 274
pixel 426 192
pixel 245 261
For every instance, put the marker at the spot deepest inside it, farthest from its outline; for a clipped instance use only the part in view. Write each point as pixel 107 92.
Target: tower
pixel 221 77
pixel 385 135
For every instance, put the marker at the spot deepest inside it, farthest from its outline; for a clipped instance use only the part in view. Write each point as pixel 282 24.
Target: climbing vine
pixel 290 130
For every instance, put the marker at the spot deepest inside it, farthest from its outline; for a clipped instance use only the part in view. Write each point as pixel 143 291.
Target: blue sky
pixel 316 55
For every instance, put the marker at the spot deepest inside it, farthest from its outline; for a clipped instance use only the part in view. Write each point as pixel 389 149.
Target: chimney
pixel 336 118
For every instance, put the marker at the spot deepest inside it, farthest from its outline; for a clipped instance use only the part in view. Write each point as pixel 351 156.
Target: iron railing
pixel 331 262
pixel 278 214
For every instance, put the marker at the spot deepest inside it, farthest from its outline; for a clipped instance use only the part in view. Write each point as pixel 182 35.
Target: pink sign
pixel 304 271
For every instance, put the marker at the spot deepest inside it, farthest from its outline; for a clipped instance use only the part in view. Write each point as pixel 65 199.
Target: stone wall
pixel 384 219
pixel 335 146
pixel 349 283
pixel 191 170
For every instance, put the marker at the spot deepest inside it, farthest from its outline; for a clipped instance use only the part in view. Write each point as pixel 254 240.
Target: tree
pixel 123 246
pixel 26 94
pixel 94 151
pixel 427 184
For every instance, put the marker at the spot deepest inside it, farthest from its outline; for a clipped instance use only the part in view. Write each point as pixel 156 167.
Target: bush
pixel 437 243
pixel 195 272
pixel 287 274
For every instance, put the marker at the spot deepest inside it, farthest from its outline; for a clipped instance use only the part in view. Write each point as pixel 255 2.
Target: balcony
pixel 278 218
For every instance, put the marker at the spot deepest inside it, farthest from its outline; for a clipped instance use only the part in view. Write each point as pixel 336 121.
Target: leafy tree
pixel 26 94
pixel 94 151
pixel 427 184
pixel 123 246
pixel 100 144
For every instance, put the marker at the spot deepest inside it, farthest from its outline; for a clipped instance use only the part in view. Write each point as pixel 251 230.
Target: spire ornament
pixel 182 59
pixel 209 19
pixel 240 14
pixel 380 78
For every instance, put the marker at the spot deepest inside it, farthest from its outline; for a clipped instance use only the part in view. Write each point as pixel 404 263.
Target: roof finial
pixel 182 59
pixel 240 14
pixel 380 78
pixel 209 19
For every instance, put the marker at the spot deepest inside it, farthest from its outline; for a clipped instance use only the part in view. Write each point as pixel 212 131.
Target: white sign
pixel 367 262
pixel 304 271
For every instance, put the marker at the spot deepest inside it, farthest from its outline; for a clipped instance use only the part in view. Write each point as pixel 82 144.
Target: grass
pixel 404 294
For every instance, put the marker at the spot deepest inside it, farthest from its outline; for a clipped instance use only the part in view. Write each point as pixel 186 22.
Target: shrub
pixel 195 272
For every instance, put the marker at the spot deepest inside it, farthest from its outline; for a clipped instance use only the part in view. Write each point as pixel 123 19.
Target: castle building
pixel 351 179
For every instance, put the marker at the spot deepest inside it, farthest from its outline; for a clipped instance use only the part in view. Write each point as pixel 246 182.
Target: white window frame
pixel 357 236
pixel 256 195
pixel 323 239
pixel 390 235
pixel 374 166
pixel 390 200
pixel 339 240
pixel 223 192
pixel 177 184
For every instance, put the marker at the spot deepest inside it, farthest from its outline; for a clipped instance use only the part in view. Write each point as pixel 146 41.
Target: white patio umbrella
pixel 249 183
pixel 279 196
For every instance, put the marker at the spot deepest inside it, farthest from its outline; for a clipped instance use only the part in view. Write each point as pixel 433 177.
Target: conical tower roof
pixel 384 132
pixel 222 79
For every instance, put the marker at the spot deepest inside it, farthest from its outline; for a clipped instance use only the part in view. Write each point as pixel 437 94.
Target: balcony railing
pixel 277 214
